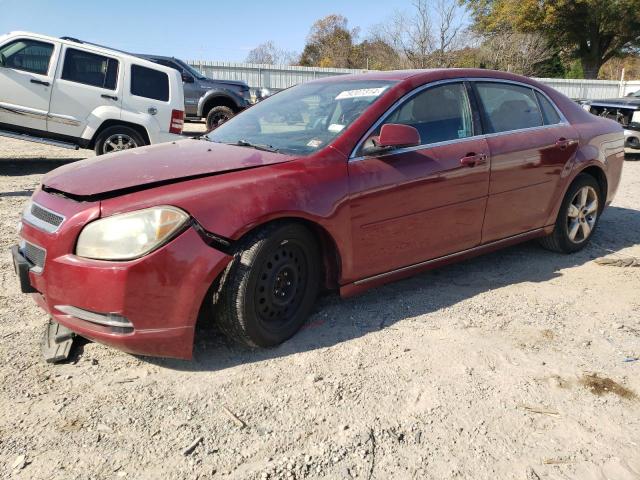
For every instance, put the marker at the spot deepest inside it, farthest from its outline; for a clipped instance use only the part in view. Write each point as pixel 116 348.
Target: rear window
pixel 508 107
pixel 149 83
pixel 90 69
pixel 549 112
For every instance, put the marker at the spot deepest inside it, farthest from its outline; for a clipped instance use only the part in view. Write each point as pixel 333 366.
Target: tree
pixel 592 31
pixel 521 53
pixel 427 36
pixel 329 43
pixel 270 54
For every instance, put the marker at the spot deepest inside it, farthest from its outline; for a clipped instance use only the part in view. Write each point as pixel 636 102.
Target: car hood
pixel 147 167
pixel 222 83
pixel 623 102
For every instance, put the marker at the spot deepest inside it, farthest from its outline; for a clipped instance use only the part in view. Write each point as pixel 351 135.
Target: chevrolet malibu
pixel 344 183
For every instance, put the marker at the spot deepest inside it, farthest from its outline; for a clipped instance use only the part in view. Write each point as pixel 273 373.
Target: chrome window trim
pixel 400 101
pixel 28 217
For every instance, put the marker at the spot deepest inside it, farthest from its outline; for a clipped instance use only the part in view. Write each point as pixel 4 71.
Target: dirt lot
pixel 515 365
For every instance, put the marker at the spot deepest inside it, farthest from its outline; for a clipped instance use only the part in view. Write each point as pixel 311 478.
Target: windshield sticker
pixel 315 143
pixel 335 127
pixel 363 92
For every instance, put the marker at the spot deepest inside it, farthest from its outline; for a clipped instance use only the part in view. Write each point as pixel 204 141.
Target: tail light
pixel 177 121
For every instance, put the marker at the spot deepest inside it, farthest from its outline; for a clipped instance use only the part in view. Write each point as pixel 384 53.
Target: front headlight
pixel 129 235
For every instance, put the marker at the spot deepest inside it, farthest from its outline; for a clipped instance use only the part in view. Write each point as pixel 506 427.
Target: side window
pixel 28 55
pixel 90 69
pixel 549 112
pixel 439 113
pixel 508 107
pixel 149 83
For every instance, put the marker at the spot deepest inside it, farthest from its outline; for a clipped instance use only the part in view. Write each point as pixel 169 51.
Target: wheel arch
pixel 218 100
pixel 329 251
pixel 601 177
pixel 113 123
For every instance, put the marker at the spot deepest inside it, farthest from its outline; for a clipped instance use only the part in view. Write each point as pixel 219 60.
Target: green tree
pixel 329 44
pixel 591 31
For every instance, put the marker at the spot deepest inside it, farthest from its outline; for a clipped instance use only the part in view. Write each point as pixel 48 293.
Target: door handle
pixel 111 97
pixel 40 82
pixel 473 159
pixel 563 143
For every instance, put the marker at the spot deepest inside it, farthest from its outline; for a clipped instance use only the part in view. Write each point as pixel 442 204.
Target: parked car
pixel 342 183
pixel 69 93
pixel 625 111
pixel 214 100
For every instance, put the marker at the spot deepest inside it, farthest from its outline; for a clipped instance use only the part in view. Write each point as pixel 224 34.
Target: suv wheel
pixel 270 286
pixel 577 218
pixel 217 116
pixel 118 138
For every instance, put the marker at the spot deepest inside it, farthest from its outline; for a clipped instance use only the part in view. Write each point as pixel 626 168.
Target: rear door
pixel 148 97
pixel 530 144
pixel 26 77
pixel 415 204
pixel 87 83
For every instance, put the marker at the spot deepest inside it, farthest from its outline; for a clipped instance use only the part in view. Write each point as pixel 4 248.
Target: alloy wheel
pixel 582 214
pixel 118 142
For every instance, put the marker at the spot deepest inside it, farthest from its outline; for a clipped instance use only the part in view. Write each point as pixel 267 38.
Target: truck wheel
pixel 269 288
pixel 217 116
pixel 118 138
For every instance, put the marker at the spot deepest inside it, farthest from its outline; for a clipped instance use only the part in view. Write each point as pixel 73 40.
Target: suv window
pixel 549 112
pixel 508 107
pixel 90 69
pixel 439 113
pixel 28 55
pixel 149 83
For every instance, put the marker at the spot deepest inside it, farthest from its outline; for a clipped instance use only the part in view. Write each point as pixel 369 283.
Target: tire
pixel 269 288
pixel 118 138
pixel 217 116
pixel 578 216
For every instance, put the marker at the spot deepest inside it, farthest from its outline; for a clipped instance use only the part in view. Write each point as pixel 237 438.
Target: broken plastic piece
pixel 57 341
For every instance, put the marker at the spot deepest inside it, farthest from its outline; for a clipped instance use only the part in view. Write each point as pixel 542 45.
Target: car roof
pixel 70 41
pixel 430 75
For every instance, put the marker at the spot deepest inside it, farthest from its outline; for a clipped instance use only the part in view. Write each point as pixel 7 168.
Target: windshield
pixel 302 119
pixel 636 94
pixel 191 70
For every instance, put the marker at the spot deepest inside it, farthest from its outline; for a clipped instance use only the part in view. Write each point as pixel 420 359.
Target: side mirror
pixel 394 135
pixel 186 78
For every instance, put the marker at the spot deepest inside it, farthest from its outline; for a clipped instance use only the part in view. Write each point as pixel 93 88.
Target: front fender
pixel 221 93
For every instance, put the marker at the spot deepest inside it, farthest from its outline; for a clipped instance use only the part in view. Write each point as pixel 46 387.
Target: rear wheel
pixel 269 288
pixel 118 138
pixel 217 116
pixel 577 218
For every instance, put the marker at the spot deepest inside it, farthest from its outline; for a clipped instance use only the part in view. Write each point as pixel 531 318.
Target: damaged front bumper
pixel 146 306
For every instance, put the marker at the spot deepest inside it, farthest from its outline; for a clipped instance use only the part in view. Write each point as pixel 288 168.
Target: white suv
pixel 69 93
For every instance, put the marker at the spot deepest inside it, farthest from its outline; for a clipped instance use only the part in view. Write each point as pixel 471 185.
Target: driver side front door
pixel 414 204
pixel 26 80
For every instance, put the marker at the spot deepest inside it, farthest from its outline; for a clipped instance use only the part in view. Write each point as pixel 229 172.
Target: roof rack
pixel 71 39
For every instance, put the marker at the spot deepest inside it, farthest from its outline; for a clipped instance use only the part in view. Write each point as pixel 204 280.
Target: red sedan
pixel 344 183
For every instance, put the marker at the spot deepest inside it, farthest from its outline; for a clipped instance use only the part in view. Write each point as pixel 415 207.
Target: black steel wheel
pixel 269 289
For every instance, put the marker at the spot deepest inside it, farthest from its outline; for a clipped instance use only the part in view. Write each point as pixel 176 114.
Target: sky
pixel 189 29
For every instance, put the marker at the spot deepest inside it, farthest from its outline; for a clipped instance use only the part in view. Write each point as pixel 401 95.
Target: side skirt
pixel 364 284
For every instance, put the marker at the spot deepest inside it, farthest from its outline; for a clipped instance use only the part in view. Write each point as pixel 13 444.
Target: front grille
pixel 35 255
pixel 46 216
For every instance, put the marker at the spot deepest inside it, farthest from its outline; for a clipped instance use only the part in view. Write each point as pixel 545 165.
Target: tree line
pixel 544 38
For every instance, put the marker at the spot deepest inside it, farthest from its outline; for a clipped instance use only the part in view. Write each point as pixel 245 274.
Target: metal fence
pixel 283 76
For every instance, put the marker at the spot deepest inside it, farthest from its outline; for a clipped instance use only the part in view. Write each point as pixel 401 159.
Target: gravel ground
pixel 515 365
